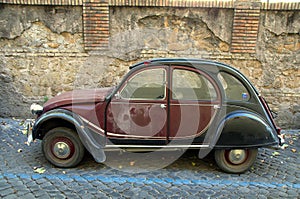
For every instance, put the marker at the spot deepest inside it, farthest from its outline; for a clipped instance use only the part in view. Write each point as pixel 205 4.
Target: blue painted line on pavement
pixel 175 181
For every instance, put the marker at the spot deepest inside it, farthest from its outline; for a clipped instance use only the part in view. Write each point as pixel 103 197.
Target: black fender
pixel 93 142
pixel 245 129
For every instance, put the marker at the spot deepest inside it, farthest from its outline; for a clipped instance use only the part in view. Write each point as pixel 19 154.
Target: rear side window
pixel 234 89
pixel 189 85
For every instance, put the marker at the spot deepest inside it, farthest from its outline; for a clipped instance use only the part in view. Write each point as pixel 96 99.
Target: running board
pixel 152 147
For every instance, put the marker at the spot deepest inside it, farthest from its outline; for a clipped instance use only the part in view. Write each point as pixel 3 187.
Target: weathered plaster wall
pixel 31 69
pixel 42 53
pixel 34 28
pixel 169 31
pixel 279 52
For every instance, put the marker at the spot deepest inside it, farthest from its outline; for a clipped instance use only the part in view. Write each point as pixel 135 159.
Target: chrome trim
pixel 203 130
pixel 156 146
pixel 117 135
pixel 29 126
pixel 163 106
pixel 212 105
pixel 133 136
pixel 217 106
pixel 61 150
pixel 127 102
pixel 128 136
pixel 237 156
pixel 92 124
pixel 36 109
pixel 159 103
pixel 143 99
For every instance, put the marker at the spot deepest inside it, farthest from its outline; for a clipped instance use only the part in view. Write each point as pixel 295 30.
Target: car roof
pixel 202 64
pixel 192 62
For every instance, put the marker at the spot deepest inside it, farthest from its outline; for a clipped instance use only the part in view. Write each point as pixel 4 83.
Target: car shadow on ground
pixel 137 162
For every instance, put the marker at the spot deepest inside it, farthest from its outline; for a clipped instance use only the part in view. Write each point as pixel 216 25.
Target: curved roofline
pixel 183 60
pixel 174 61
pixel 180 61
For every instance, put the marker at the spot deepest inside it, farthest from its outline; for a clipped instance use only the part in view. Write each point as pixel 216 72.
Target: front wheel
pixel 62 147
pixel 235 160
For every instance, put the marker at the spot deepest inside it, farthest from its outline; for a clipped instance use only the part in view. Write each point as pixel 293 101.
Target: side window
pixel 147 84
pixel 234 89
pixel 189 85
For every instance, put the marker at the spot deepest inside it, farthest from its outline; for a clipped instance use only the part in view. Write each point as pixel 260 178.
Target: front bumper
pixel 29 126
pixel 281 139
pixel 37 110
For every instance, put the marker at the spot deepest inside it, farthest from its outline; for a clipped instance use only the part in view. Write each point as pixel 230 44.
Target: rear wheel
pixel 62 147
pixel 235 160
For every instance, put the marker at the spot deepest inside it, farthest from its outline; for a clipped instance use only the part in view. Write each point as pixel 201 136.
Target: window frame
pixel 135 73
pixel 202 75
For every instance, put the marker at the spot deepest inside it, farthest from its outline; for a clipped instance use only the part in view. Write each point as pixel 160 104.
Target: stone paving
pixel 24 173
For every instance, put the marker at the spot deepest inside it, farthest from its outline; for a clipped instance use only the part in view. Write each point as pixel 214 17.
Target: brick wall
pixel 96 27
pixel 43 2
pixel 245 27
pixel 96 24
pixel 174 3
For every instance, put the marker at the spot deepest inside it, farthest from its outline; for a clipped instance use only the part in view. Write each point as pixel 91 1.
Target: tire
pixel 62 147
pixel 235 160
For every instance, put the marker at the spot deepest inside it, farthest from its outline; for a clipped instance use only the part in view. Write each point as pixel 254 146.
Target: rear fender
pixel 244 129
pixel 93 142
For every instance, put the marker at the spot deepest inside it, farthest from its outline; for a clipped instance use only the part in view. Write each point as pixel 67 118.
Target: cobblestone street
pixel 26 174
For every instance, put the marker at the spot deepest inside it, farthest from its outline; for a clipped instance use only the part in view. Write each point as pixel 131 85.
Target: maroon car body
pixel 165 104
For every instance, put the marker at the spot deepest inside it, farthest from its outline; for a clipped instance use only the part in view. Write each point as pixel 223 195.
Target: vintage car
pixel 160 104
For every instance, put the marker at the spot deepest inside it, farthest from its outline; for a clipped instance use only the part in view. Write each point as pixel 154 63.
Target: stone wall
pixel 42 51
pixel 279 53
pixel 39 46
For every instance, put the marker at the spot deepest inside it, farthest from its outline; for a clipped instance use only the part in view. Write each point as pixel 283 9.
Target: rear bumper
pixel 268 110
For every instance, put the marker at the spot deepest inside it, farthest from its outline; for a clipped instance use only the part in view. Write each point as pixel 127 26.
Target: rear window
pixel 234 89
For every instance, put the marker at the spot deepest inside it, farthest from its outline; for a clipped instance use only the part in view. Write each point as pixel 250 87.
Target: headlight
pixel 36 109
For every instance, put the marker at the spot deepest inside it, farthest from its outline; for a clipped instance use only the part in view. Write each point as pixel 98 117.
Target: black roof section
pixel 195 63
pixel 179 61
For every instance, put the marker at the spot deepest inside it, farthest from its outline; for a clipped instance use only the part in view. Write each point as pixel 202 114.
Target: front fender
pixel 94 143
pixel 243 129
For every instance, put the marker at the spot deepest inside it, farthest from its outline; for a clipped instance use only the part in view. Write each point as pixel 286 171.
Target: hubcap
pixel 237 156
pixel 61 150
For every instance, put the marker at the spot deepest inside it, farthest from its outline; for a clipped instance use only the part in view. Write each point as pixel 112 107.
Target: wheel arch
pixel 64 118
pixel 52 123
pixel 245 129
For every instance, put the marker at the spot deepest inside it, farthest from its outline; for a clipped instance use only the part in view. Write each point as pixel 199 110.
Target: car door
pixel 194 102
pixel 138 112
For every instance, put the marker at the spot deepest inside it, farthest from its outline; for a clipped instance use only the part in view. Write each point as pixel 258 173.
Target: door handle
pixel 216 106
pixel 163 106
